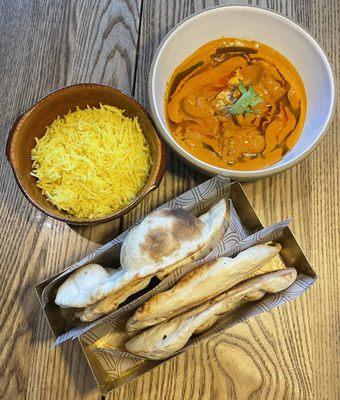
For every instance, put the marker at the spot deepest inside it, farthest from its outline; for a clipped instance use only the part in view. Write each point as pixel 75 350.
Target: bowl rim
pixel 239 174
pixel 68 218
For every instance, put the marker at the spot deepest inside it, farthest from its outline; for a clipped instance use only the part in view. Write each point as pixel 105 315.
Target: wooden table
pixel 291 353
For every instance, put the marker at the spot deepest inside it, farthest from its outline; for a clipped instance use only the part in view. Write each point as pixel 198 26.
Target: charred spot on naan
pixel 161 242
pixel 185 226
pixel 158 244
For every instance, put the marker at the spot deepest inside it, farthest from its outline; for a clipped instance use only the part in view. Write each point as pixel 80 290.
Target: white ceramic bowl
pixel 264 26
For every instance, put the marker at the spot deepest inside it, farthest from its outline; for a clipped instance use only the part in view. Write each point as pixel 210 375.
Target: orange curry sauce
pixel 203 89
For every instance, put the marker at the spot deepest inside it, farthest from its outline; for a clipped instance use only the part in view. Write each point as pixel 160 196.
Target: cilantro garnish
pixel 210 148
pixel 249 98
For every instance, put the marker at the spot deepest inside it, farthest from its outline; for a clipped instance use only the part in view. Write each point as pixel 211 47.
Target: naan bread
pixel 163 340
pixel 201 284
pixel 250 290
pixel 208 323
pixel 111 302
pixel 163 238
pixel 168 236
pixel 216 220
pixel 83 280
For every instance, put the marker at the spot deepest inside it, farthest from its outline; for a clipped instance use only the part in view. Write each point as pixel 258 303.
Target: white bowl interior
pixel 263 26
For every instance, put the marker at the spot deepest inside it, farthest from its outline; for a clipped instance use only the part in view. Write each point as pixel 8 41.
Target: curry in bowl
pixel 236 104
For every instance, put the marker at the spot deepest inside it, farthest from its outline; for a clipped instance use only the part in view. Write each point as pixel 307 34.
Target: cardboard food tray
pixel 102 340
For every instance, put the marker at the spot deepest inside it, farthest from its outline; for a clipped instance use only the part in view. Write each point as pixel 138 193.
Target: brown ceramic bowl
pixel 33 124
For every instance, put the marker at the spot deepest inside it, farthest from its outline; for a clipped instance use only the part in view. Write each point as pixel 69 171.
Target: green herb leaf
pixel 210 148
pixel 248 99
pixel 242 88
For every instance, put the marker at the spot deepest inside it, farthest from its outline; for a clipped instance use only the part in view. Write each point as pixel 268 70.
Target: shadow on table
pixel 101 233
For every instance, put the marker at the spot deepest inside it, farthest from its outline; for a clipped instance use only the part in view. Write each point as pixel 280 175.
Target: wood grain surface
pixel 291 353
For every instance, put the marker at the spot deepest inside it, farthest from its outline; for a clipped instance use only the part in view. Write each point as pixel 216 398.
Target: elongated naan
pixel 163 340
pixel 201 284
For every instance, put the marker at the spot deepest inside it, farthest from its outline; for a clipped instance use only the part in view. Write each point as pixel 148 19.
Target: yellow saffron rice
pixel 92 162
